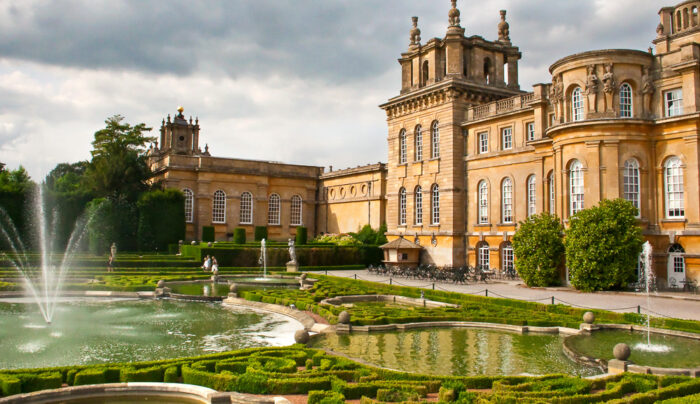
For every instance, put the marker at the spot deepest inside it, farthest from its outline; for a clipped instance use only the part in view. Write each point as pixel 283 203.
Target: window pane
pixel 531 196
pixel 435 203
pixel 631 182
pixel 577 104
pixel 674 188
pixel 531 131
pixel 295 214
pixel 189 204
pixel 419 205
pixel 483 202
pixel 507 201
pixel 218 214
pixel 435 141
pixel 483 142
pixel 674 102
pixel 402 206
pixel 273 209
pixel 419 143
pixel 625 101
pixel 246 208
pixel 576 187
pixel 507 138
pixel 402 147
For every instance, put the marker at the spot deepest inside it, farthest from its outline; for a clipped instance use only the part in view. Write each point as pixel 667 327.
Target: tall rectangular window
pixel 419 143
pixel 402 207
pixel 189 205
pixel 673 182
pixel 295 213
pixel 630 181
pixel 531 196
pixel 418 206
pixel 273 210
pixel 483 142
pixel 673 102
pixel 218 211
pixel 551 194
pixel 575 187
pixel 530 131
pixel 246 208
pixel 507 138
pixel 507 201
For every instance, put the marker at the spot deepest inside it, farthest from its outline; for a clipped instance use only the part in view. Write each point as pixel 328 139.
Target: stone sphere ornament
pixel 588 317
pixel 302 277
pixel 233 288
pixel 161 284
pixel 301 337
pixel 622 351
pixel 344 317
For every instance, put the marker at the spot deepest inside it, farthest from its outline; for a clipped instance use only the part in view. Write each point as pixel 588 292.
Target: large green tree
pixel 67 194
pixel 539 249
pixel 16 188
pixel 118 168
pixel 603 245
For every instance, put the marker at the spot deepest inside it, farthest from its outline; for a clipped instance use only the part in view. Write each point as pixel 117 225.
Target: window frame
pixel 530 131
pixel 552 194
pixel 507 215
pixel 418 206
pixel 435 140
pixel 274 210
pixel 576 184
pixel 507 257
pixel 189 205
pixel 626 101
pixel 403 153
pixel 296 210
pixel 402 206
pixel 674 199
pixel 418 143
pixel 507 138
pixel 631 183
pixel 673 106
pixel 246 212
pixel 218 208
pixel 483 202
pixel 483 140
pixel 435 204
pixel 483 258
pixel 531 195
pixel 577 113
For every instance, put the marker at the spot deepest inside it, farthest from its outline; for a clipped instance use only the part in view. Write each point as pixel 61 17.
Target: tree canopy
pixel 539 249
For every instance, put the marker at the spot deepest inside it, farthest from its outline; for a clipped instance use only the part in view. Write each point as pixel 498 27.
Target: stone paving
pixel 669 304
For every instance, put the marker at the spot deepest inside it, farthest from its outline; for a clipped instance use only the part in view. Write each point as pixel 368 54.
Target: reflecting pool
pixel 458 351
pixel 86 331
pixel 678 352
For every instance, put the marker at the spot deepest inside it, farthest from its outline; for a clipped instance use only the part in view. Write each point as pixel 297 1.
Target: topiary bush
pixel 301 236
pixel 239 235
pixel 603 245
pixel 260 233
pixel 208 233
pixel 539 249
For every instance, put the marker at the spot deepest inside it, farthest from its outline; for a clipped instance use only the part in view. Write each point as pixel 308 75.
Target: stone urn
pixel 301 337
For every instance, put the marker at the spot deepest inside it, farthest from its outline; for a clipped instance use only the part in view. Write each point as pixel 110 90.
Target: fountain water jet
pixel 43 281
pixel 263 259
pixel 649 281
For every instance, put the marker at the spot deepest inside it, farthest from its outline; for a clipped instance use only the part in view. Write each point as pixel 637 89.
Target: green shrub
pixel 10 385
pixel 90 376
pixel 260 233
pixel 161 219
pixel 224 381
pixel 539 249
pixel 150 374
pixel 309 364
pixel 42 381
pixel 252 383
pixel 239 235
pixel 208 234
pixel 394 395
pixel 325 397
pixel 301 236
pixel 170 375
pixel 603 245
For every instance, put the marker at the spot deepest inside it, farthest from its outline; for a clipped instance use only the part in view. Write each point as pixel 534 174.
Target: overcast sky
pixel 296 81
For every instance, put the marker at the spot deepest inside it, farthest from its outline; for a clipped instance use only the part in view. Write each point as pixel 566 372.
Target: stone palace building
pixel 471 155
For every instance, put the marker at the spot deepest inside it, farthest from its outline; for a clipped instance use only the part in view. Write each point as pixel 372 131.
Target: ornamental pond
pixel 88 331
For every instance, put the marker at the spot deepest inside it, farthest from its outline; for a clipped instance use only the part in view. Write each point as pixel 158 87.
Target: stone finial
pixel 233 288
pixel 454 15
pixel 415 32
pixel 344 317
pixel 301 336
pixel 196 120
pixel 156 142
pixel 588 317
pixel 660 30
pixel 622 351
pixel 161 284
pixel 503 28
pixel 168 118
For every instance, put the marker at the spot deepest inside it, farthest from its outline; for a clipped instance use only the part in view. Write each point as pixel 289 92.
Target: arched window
pixel 189 204
pixel 425 73
pixel 577 105
pixel 419 143
pixel 551 193
pixel 418 196
pixel 435 141
pixel 273 209
pixel 295 213
pixel 482 259
pixel 630 183
pixel 507 201
pixel 625 101
pixel 402 147
pixel 673 186
pixel 402 206
pixel 483 199
pixel 531 196
pixel 487 70
pixel 507 257
pixel 246 208
pixel 218 211
pixel 435 205
pixel 575 187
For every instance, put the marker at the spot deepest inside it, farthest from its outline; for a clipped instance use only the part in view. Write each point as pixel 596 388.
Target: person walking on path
pixel 214 265
pixel 112 257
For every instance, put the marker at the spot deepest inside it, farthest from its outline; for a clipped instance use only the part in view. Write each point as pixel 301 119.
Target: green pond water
pixel 458 351
pixel 222 289
pixel 86 331
pixel 675 352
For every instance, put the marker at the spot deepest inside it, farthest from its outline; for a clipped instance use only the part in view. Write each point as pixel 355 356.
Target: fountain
pixel 263 259
pixel 43 281
pixel 648 273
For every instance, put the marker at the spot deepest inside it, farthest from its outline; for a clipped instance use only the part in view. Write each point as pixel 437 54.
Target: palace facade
pixel 471 155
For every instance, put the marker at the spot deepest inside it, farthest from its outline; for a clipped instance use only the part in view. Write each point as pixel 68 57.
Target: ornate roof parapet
pixel 503 29
pixel 453 18
pixel 415 34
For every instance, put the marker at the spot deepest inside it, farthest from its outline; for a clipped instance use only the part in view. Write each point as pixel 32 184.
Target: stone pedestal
pixel 292 266
pixel 616 366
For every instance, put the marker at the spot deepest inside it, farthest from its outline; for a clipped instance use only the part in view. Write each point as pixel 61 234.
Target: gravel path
pixel 668 304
